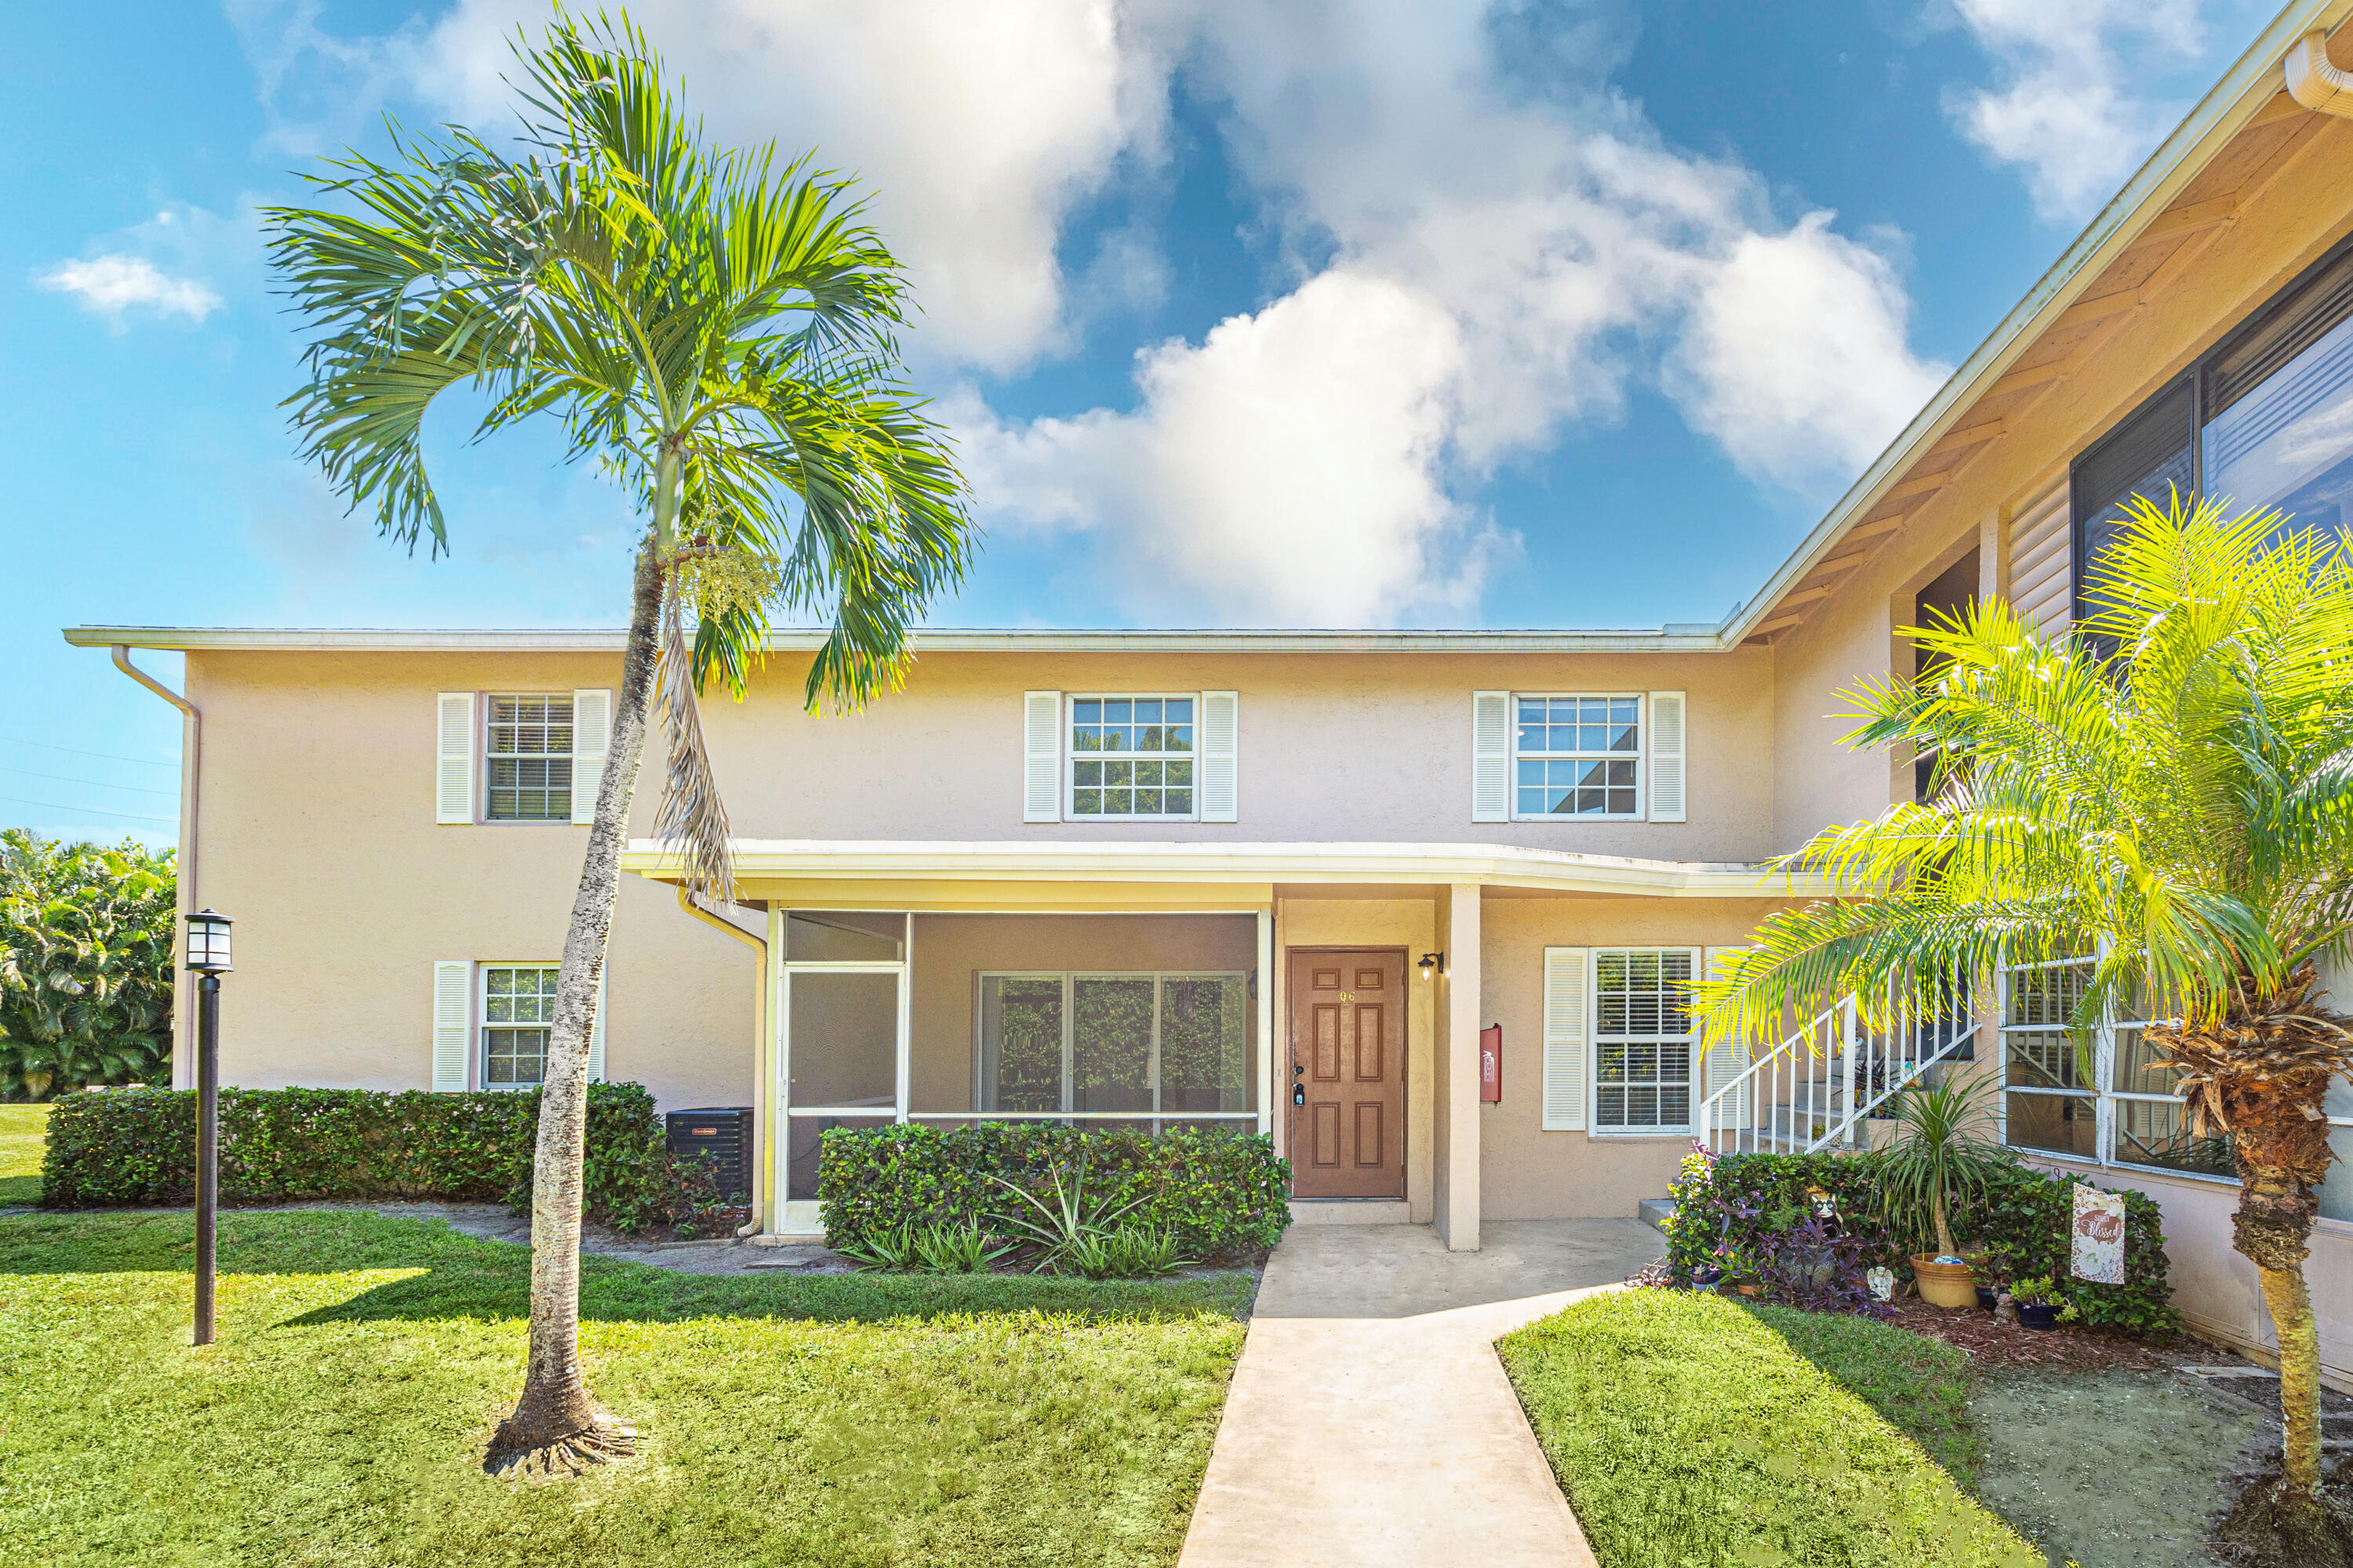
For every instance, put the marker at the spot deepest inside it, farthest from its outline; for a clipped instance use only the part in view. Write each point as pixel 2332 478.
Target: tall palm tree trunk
pixel 557 1424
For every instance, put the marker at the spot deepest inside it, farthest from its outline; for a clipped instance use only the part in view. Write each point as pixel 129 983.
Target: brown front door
pixel 1347 1091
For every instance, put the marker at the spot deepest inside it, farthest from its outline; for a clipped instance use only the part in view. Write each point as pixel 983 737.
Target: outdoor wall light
pixel 208 942
pixel 1432 964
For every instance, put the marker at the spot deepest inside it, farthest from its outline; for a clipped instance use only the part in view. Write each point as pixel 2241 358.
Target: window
pixel 1132 756
pixel 529 752
pixel 1643 1039
pixel 2101 1098
pixel 1139 1046
pixel 2264 417
pixel 1578 755
pixel 518 1010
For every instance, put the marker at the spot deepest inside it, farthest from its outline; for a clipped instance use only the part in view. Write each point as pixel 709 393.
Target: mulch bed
pixel 1990 1344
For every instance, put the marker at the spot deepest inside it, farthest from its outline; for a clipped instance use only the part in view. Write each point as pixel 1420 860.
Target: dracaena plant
pixel 715 331
pixel 2167 787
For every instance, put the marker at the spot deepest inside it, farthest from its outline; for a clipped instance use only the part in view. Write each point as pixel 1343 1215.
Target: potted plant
pixel 1939 1160
pixel 2040 1303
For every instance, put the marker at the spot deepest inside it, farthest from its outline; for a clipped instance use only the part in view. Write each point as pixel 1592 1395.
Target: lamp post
pixel 209 959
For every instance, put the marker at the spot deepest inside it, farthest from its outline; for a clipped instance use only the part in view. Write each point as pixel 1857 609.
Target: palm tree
pixel 2168 788
pixel 716 331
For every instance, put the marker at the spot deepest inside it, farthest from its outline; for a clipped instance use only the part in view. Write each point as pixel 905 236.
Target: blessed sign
pixel 2098 1235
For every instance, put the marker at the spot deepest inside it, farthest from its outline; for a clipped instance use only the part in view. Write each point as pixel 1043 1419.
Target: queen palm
pixel 2168 788
pixel 716 331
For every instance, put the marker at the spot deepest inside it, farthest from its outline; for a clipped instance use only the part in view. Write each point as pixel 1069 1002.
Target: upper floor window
pixel 1132 756
pixel 1577 757
pixel 2264 419
pixel 528 750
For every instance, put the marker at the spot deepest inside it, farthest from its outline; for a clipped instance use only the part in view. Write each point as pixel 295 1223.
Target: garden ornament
pixel 1882 1280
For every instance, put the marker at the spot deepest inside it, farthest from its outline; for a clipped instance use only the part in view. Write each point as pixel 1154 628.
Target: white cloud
pixel 976 128
pixel 1499 265
pixel 1286 471
pixel 116 287
pixel 2080 100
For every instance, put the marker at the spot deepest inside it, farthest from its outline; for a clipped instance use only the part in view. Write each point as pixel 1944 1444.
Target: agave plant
pixel 889 1249
pixel 957 1248
pixel 1065 1224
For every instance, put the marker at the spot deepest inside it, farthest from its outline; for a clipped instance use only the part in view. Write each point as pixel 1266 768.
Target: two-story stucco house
pixel 1285 879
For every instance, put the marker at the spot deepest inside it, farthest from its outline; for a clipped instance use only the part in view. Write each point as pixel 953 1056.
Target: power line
pixel 107 755
pixel 89 810
pixel 100 783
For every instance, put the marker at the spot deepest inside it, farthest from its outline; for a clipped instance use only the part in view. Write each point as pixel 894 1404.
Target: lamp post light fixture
pixel 208 960
pixel 1432 965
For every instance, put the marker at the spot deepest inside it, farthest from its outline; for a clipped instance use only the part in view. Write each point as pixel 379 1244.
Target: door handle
pixel 1299 1094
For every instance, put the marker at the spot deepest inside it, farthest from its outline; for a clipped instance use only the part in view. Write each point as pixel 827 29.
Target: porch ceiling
pixel 1245 873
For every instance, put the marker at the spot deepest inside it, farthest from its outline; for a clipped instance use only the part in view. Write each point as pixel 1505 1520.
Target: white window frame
pixel 1640 757
pixel 1595 1042
pixel 483 1023
pixel 1072 756
pixel 488 704
pixel 1069 979
pixel 2103 1098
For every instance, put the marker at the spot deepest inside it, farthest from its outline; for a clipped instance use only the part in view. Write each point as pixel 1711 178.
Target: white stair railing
pixel 1817 1088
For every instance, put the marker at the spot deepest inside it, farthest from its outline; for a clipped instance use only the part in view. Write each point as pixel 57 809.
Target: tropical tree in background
pixel 2170 788
pixel 85 964
pixel 716 331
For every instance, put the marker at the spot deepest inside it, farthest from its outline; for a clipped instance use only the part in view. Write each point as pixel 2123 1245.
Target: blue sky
pixel 1413 312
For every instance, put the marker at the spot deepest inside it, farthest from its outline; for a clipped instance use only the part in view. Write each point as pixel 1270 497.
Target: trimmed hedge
pixel 1743 1202
pixel 1219 1193
pixel 118 1147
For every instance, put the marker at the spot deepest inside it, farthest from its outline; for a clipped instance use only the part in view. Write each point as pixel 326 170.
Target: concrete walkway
pixel 1370 1422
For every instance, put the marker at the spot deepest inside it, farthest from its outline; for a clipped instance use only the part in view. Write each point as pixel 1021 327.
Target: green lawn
pixel 362 1363
pixel 1688 1432
pixel 22 1129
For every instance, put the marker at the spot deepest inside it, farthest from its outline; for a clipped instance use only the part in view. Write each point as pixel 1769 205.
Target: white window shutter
pixel 1220 799
pixel 1726 1059
pixel 596 1034
pixel 592 736
pixel 1666 727
pixel 453 771
pixel 1041 756
pixel 453 1024
pixel 1565 990
pixel 1491 757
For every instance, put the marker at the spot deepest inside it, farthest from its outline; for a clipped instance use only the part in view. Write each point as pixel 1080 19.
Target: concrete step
pixel 1655 1211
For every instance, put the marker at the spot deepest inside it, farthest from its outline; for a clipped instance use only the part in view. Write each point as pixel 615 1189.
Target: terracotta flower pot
pixel 1944 1284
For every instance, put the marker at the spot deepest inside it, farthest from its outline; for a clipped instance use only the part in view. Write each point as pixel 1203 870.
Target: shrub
pixel 1216 1193
pixel 85 964
pixel 1736 1212
pixel 116 1148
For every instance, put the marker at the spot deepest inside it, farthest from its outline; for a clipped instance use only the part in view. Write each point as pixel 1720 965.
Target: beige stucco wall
pixel 1526 1172
pixel 1333 746
pixel 318 837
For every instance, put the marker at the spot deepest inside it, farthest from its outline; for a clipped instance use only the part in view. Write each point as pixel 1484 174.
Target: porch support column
pixel 1457 1098
pixel 1264 1065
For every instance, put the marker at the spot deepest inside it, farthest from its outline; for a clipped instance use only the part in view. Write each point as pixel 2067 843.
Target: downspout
pixel 192 734
pixel 759 945
pixel 2315 83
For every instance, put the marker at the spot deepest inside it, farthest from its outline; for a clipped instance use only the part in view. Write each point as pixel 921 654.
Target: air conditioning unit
pixel 722 1136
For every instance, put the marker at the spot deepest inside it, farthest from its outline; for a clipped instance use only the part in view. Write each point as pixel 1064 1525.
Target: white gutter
pixel 1501 865
pixel 2225 109
pixel 1674 638
pixel 192 737
pixel 2315 83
